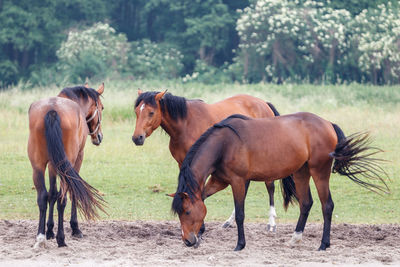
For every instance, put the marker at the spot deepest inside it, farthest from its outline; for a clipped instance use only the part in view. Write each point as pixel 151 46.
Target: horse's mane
pixel 77 92
pixel 175 105
pixel 186 180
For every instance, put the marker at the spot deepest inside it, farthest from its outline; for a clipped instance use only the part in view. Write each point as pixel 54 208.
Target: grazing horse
pixel 186 120
pixel 239 149
pixel 58 128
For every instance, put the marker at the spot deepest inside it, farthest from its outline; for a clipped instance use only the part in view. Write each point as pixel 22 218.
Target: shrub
pixel 286 40
pixel 377 36
pixel 97 50
pixel 151 60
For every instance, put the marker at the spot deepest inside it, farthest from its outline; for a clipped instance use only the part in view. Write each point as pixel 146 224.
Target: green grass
pixel 127 174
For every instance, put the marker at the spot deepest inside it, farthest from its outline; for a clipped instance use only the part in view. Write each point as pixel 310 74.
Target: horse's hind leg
pixel 302 182
pixel 38 180
pixel 74 216
pixel 321 180
pixel 272 213
pixel 61 203
pixel 52 200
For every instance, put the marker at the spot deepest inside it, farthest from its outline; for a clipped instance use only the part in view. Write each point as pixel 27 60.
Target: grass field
pixel 127 175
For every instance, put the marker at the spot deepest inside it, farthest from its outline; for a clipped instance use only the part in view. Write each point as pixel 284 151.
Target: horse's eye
pixel 187 213
pixel 151 114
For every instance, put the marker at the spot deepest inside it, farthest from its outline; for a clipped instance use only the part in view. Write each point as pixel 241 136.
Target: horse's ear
pixel 159 96
pixel 139 92
pixel 170 195
pixel 101 89
pixel 86 85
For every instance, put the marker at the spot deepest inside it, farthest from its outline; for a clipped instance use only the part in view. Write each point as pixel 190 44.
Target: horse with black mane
pixel 58 128
pixel 185 121
pixel 239 149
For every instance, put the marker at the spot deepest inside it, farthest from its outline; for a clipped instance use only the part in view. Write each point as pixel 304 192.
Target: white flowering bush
pixel 377 36
pixel 96 50
pixel 291 40
pixel 154 60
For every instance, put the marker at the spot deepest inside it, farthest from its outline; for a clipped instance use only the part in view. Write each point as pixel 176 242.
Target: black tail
pixel 276 113
pixel 86 197
pixel 288 190
pixel 353 158
pixel 288 187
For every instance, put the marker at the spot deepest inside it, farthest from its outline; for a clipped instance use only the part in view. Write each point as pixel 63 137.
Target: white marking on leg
pixel 296 238
pixel 142 107
pixel 40 241
pixel 271 221
pixel 230 221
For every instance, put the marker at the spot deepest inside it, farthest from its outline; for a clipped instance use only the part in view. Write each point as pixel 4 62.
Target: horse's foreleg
pixel 60 231
pixel 302 181
pixel 231 219
pixel 272 213
pixel 52 201
pixel 38 180
pixel 239 194
pixel 76 232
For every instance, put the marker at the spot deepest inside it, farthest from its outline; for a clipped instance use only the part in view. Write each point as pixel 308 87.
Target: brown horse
pixel 58 128
pixel 239 149
pixel 185 121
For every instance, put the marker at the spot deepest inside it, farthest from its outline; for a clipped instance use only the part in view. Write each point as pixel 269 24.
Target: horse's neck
pixel 185 131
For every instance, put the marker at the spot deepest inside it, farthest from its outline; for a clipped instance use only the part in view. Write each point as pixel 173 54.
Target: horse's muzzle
pixel 138 140
pixel 193 242
pixel 98 139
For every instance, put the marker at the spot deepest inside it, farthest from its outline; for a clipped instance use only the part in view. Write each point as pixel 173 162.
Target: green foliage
pixel 377 36
pixel 292 41
pixel 207 74
pixel 149 60
pixel 318 41
pixel 8 72
pixel 93 52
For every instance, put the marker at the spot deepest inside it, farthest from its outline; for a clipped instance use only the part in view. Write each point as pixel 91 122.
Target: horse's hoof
pixel 40 242
pixel 49 235
pixel 271 228
pixel 239 247
pixel 227 224
pixel 323 247
pixel 77 234
pixel 60 245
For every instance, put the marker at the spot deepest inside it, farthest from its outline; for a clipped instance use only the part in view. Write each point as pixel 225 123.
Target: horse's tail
pixel 287 184
pixel 288 189
pixel 353 158
pixel 86 197
pixel 276 113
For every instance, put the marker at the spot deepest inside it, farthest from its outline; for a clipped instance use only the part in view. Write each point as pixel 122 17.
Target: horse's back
pixel 289 140
pixel 70 123
pixel 243 104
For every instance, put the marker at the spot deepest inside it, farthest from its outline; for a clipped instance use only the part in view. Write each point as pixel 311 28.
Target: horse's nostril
pixel 187 243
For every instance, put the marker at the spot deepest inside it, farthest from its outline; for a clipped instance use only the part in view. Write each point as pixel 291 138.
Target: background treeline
pixel 248 41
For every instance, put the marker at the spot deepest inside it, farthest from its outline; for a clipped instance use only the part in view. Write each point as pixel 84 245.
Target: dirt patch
pixel 115 243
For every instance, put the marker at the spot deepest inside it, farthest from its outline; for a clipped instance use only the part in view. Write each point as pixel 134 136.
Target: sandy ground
pixel 121 243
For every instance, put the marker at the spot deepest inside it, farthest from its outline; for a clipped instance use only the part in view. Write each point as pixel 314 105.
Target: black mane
pixel 175 105
pixel 186 180
pixel 77 92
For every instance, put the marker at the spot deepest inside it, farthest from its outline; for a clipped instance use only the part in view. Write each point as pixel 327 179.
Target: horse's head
pixel 148 118
pixel 94 116
pixel 191 214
